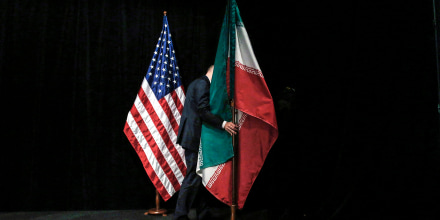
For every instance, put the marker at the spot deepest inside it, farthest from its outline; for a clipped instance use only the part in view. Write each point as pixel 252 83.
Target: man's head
pixel 209 72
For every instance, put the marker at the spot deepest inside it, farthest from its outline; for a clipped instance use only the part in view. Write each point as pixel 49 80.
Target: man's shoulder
pixel 200 81
pixel 203 78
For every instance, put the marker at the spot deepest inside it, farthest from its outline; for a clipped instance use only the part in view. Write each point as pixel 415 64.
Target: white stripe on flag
pixel 158 109
pixel 181 95
pixel 175 113
pixel 153 130
pixel 177 116
pixel 156 167
pixel 244 52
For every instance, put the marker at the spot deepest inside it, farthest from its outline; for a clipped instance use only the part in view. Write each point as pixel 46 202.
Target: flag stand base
pixel 157 210
pixel 154 211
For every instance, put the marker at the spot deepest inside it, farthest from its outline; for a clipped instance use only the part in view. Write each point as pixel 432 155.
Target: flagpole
pixel 234 163
pixel 157 210
pixel 232 22
pixel 436 40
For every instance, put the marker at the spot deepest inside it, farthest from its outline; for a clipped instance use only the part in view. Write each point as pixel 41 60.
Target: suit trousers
pixel 192 191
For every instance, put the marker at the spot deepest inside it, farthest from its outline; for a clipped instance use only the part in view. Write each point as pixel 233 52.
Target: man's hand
pixel 231 128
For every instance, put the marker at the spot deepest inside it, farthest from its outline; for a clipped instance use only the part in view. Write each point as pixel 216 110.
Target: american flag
pixel 153 121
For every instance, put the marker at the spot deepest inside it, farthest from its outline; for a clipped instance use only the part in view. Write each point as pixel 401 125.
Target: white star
pixel 157 45
pixel 169 42
pixel 171 65
pixel 165 62
pixel 173 51
pixel 160 83
pixel 160 91
pixel 177 67
pixel 174 81
pixel 157 75
pixel 155 52
pixel 155 83
pixel 172 58
pixel 168 85
pixel 154 60
pixel 162 76
pixel 166 55
pixel 158 68
pixel 166 25
pixel 150 74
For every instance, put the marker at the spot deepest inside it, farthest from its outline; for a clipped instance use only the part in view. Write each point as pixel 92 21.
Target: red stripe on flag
pixel 248 169
pixel 147 166
pixel 166 108
pixel 177 102
pixel 164 134
pixel 153 146
pixel 253 97
pixel 222 185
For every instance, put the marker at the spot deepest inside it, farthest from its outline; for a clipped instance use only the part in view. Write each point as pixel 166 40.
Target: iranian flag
pixel 236 76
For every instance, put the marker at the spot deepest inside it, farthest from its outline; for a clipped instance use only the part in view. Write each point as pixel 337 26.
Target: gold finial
pixel 165 13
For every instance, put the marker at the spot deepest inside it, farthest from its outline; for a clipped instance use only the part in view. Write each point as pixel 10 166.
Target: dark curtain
pixel 354 87
pixel 70 71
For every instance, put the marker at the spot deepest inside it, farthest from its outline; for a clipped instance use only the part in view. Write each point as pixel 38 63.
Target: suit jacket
pixel 195 111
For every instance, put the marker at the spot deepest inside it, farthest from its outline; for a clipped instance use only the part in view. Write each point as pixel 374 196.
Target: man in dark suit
pixel 195 111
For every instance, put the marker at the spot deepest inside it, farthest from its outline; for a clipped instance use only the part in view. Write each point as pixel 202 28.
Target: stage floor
pixel 121 214
pixel 70 215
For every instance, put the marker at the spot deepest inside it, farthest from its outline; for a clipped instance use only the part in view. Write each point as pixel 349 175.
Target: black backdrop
pixel 358 134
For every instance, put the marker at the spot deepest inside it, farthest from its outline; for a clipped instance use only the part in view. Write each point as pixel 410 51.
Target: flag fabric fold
pixel 237 75
pixel 153 121
pixel 216 145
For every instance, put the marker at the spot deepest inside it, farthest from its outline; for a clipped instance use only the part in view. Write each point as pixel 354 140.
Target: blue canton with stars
pixel 163 73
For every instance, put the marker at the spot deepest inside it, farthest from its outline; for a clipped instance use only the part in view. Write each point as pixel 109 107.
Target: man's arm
pixel 203 108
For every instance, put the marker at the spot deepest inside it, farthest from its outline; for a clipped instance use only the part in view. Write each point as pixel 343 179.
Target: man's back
pixel 197 98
